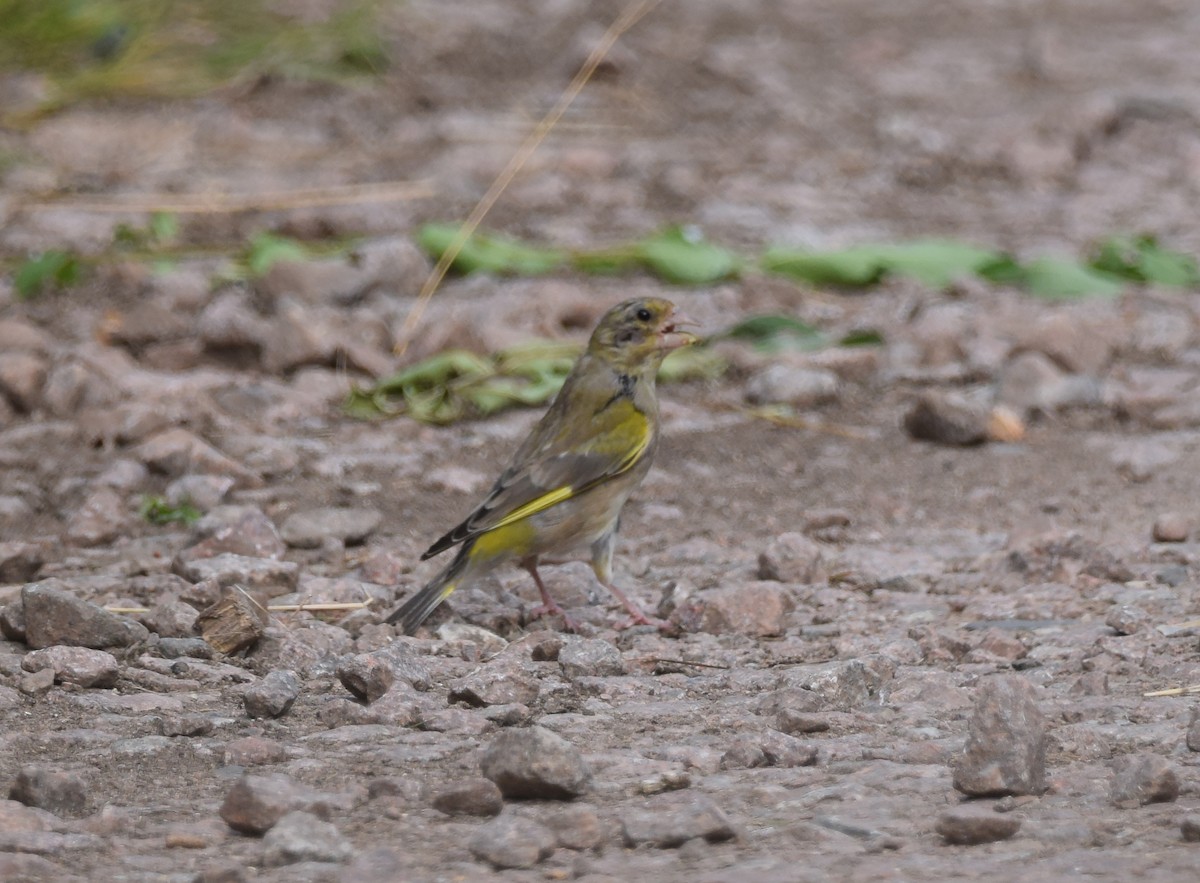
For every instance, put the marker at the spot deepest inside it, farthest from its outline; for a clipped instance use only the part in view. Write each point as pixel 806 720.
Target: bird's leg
pixel 602 552
pixel 548 605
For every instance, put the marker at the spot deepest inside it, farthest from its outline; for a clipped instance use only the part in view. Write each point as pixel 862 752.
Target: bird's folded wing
pixel 552 477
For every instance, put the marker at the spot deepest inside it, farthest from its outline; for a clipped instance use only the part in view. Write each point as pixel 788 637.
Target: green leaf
pixel 681 255
pixel 692 363
pixel 934 262
pixel 488 253
pixel 852 267
pixel 157 510
pixel 862 337
pixel 1142 259
pixel 164 226
pixel 762 327
pixel 50 269
pixel 266 249
pixel 1064 279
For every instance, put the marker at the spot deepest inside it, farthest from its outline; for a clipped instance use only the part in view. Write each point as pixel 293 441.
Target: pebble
pixel 757 609
pixel 782 383
pixel 256 803
pixel 81 666
pixel 256 575
pixel 512 841
pixel 190 724
pixel 575 826
pixel 53 615
pixel 1189 828
pixel 205 492
pixel 840 685
pixel 21 378
pixel 57 791
pixel 469 797
pixel 310 529
pixel 101 519
pixel 1139 779
pixel 669 820
pixel 947 418
pixel 303 837
pixel 501 681
pixel 791 558
pixel 1171 527
pixel 370 675
pixel 590 657
pixel 176 452
pixel 20 561
pixel 1193 731
pixel 1006 741
pixel 236 530
pixel 971 825
pixel 274 695
pixel 535 763
pixel 1126 619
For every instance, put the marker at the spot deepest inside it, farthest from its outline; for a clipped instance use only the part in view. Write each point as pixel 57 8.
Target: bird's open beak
pixel 671 338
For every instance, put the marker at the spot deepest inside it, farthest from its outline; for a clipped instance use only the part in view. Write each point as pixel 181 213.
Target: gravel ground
pixel 914 631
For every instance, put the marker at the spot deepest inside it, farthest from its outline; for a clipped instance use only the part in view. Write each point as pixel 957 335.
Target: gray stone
pixel 1006 741
pixel 21 378
pixel 1189 829
pixel 256 803
pixel 101 519
pixel 235 530
pixel 590 657
pixel 1144 778
pixel 302 837
pixel 369 675
pixel 799 387
pixel 971 825
pixel 55 616
pixel 841 685
pixel 75 665
pixel 469 797
pixel 791 558
pixel 20 561
pixel 274 695
pixel 947 418
pixel 757 609
pixel 171 618
pixel 194 648
pixel 501 681
pixel 175 452
pixel 575 827
pixel 1171 527
pixel 1193 731
pixel 264 575
pixel 536 763
pixel 190 724
pixel 512 842
pixel 1127 619
pixel 670 820
pixel 205 492
pixel 57 791
pixel 310 529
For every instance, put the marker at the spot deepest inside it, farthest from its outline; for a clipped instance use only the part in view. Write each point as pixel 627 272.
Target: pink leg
pixel 548 605
pixel 637 616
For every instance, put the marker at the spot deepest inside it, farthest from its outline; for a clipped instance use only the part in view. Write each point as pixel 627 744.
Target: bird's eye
pixel 643 315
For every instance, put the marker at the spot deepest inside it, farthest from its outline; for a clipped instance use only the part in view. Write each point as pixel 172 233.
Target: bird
pixel 567 483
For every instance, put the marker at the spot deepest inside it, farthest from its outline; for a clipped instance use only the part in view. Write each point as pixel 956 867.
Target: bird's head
pixel 639 333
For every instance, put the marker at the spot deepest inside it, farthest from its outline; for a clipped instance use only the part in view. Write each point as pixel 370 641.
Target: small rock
pixel 255 803
pixel 782 383
pixel 264 576
pixel 100 520
pixel 840 686
pixel 20 561
pixel 969 825
pixel 743 754
pixel 1171 527
pixel 575 827
pixel 171 618
pixel 369 675
pixel 21 379
pixel 38 682
pixel 501 681
pixel 55 616
pixel 192 648
pixel 188 725
pixel 790 720
pixel 669 820
pixel 791 558
pixel 75 665
pixel 1142 779
pixel 590 657
pixel 309 530
pixel 177 452
pixel 205 492
pixel 470 797
pixel 947 418
pixel 1193 731
pixel 274 695
pixel 512 842
pixel 1127 620
pixel 1006 741
pixel 62 793
pixel 535 763
pixel 254 751
pixel 235 530
pixel 302 837
pixel 754 608
pixel 1190 829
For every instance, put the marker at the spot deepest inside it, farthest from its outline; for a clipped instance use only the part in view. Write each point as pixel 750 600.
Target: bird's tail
pixel 416 609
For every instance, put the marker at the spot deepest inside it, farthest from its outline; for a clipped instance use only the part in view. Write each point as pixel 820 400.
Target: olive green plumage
pixel 567 483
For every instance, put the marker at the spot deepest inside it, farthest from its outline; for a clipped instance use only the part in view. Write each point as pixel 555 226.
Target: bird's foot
pixel 641 618
pixel 553 608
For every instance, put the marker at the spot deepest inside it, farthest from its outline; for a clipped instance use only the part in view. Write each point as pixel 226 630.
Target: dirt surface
pixel 837 584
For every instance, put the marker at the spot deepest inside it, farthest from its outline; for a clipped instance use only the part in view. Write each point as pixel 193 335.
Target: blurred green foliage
pixel 160 48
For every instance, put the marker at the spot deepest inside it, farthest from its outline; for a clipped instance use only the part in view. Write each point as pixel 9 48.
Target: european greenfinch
pixel 568 481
